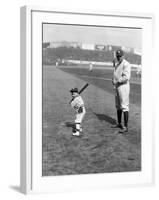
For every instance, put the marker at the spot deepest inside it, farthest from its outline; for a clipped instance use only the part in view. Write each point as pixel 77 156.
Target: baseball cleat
pixel 124 130
pixel 77 133
pixel 118 126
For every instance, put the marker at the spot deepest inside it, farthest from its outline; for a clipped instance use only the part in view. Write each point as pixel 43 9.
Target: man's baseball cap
pixel 74 90
pixel 119 53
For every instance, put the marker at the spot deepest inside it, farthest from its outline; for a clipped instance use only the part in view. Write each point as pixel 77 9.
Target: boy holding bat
pixel 77 104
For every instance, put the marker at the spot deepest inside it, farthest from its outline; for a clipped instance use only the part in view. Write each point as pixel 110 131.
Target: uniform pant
pixel 80 116
pixel 79 119
pixel 122 97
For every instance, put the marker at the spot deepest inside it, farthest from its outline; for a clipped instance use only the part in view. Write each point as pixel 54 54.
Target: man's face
pixel 119 58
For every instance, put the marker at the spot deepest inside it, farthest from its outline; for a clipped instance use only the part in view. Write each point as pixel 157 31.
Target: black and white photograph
pixel 91 99
pixel 79 100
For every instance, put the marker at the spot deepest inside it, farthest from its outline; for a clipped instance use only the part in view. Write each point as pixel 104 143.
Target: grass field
pixel 100 149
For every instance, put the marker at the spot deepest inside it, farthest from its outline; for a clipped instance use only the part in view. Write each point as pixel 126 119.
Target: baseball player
pixel 90 66
pixel 120 80
pixel 77 104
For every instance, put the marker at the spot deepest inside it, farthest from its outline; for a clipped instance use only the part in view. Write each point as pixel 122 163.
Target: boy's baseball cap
pixel 74 90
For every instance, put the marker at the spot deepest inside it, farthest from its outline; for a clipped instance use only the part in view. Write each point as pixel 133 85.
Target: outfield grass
pixel 100 149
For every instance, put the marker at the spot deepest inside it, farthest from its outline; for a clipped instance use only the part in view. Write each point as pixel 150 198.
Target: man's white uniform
pixel 121 78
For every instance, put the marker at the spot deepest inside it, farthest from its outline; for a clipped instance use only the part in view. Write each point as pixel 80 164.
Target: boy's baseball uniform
pixel 78 105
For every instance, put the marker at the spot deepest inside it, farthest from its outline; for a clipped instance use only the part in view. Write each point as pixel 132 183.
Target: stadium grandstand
pixel 66 54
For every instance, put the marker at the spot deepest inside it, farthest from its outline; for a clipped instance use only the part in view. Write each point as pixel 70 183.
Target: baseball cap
pixel 119 53
pixel 74 90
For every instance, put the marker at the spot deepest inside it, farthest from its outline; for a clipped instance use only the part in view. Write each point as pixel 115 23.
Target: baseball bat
pixel 81 90
pixel 114 57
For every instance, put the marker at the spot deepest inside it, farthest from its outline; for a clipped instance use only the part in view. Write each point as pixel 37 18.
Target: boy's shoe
pixel 77 133
pixel 118 126
pixel 124 130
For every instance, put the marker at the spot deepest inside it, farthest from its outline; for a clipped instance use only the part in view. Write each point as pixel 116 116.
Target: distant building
pixel 109 48
pixel 46 44
pixel 137 52
pixel 55 44
pixel 88 46
pixel 127 49
pixel 101 47
pixel 65 44
pixel 114 48
pixel 75 44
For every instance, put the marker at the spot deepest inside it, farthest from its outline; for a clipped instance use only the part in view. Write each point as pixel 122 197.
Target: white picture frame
pixel 31 117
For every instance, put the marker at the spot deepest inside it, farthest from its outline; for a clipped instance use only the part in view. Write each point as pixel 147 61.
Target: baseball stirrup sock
pixel 126 117
pixel 78 126
pixel 119 115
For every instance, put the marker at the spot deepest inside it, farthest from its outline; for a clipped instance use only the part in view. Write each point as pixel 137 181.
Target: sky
pixel 94 35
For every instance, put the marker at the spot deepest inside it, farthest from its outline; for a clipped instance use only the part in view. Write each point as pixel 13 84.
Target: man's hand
pixel 114 82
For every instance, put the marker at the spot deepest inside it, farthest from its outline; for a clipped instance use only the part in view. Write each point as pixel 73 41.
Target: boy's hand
pixel 80 110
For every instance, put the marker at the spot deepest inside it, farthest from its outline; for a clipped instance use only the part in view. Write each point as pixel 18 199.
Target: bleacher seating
pixel 51 55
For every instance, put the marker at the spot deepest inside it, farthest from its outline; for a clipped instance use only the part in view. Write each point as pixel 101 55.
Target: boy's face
pixel 74 94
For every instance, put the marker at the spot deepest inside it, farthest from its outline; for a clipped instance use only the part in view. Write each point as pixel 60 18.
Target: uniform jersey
pixel 77 102
pixel 122 73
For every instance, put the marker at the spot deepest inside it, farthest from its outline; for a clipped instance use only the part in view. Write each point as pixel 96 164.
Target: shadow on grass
pixel 70 125
pixel 106 118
